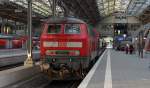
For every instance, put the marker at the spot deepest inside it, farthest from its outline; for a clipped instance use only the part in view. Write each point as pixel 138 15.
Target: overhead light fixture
pixel 136 38
pixel 124 35
pixel 144 38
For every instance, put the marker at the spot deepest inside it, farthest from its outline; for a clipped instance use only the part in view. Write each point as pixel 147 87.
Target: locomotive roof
pixel 64 20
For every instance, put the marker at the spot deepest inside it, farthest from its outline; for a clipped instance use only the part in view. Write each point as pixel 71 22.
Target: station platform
pixel 115 69
pixel 13 56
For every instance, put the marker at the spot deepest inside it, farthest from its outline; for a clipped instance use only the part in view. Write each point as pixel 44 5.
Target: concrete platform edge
pixel 88 77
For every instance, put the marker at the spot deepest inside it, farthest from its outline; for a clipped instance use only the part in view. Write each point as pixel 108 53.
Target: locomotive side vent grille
pixel 50 44
pixel 63 44
pixel 74 44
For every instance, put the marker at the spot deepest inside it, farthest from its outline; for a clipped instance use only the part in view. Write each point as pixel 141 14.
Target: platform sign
pixel 120 38
pixel 120 17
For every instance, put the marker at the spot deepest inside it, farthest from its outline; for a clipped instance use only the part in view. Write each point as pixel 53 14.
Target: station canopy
pixel 43 7
pixel 130 7
pixel 106 7
pixel 97 8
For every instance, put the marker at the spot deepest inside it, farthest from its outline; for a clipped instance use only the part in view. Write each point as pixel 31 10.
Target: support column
pixel 54 8
pixel 2 26
pixel 29 60
pixel 142 43
pixel 15 30
pixel 139 45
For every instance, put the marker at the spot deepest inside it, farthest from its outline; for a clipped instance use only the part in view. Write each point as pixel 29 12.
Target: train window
pixel 54 28
pixel 72 29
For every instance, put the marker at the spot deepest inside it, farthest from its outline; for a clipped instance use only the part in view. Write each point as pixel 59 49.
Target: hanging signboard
pixel 120 17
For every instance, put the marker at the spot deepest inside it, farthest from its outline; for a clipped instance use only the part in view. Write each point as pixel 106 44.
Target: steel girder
pixel 7 10
pixel 144 17
pixel 86 9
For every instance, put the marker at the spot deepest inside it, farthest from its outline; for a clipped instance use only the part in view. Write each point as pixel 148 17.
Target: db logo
pixel 62 44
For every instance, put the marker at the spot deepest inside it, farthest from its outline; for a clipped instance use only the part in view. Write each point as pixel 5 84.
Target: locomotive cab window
pixel 72 29
pixel 54 29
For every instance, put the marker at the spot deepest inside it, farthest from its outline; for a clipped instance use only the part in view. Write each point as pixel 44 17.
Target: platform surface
pixel 13 56
pixel 116 69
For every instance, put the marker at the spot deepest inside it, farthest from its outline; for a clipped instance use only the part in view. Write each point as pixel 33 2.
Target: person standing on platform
pixel 127 48
pixel 131 49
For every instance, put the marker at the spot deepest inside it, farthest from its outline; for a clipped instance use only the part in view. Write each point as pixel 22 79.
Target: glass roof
pixel 130 7
pixel 106 7
pixel 43 7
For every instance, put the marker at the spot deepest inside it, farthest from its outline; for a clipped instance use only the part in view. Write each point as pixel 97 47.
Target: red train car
pixel 67 45
pixel 17 42
pixel 3 43
pixel 11 41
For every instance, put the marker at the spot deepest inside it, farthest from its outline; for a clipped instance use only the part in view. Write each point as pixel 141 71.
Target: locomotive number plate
pixel 62 44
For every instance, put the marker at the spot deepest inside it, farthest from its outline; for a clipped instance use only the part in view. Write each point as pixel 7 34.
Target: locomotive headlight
pixel 74 44
pixel 77 52
pixel 50 52
pixel 74 53
pixel 50 44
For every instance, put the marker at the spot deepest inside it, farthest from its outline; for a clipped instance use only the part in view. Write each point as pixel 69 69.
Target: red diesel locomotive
pixel 67 46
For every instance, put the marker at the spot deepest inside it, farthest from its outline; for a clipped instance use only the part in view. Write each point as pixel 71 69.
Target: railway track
pixel 10 66
pixel 15 58
pixel 41 81
pixel 63 84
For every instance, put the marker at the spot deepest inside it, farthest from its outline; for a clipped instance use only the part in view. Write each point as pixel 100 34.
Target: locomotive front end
pixel 63 50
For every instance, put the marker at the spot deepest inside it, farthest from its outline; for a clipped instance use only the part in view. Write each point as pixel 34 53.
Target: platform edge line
pixel 108 75
pixel 88 77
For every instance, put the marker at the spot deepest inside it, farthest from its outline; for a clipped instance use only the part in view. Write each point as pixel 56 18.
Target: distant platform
pixel 13 56
pixel 14 52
